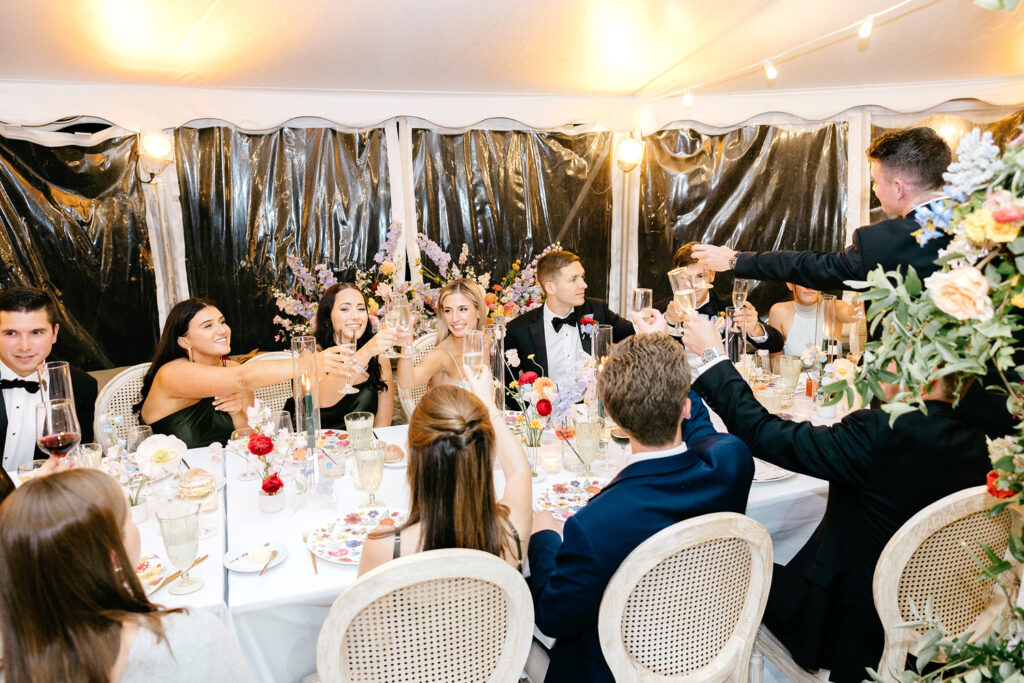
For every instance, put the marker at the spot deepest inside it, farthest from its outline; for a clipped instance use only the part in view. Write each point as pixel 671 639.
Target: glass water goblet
pixel 179 527
pixel 248 474
pixel 88 455
pixel 370 463
pixel 588 440
pixel 137 435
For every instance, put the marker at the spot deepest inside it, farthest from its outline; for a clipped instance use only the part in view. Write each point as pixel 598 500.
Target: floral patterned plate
pixel 341 539
pixel 766 471
pixel 150 571
pixel 565 498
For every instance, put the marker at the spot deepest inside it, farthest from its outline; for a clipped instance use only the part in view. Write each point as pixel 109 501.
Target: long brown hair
pixel 450 474
pixel 66 583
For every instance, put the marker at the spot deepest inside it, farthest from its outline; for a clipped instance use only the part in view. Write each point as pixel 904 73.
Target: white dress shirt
pixel 564 349
pixel 21 421
pixel 651 455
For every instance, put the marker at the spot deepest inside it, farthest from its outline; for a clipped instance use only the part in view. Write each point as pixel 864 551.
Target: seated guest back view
pixel 461 307
pixel 644 388
pixel 340 318
pixel 71 606
pixel 454 436
pixel 28 331
pixel 552 333
pixel 193 391
pixel 820 605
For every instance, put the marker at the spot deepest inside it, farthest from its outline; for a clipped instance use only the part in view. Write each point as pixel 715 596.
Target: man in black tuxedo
pixel 28 330
pixel 554 333
pixel 906 172
pixel 821 605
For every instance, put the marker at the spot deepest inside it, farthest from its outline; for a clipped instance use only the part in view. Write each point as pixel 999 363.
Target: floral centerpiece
pixel 269 449
pixel 518 291
pixel 962 323
pixel 299 305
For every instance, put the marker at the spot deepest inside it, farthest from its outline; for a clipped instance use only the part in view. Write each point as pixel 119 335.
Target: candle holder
pixel 306 391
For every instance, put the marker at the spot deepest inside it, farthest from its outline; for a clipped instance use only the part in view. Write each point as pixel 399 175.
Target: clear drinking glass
pixel 370 463
pixel 55 381
pixel 392 318
pixel 642 299
pixel 789 373
pixel 179 527
pixel 88 455
pixel 346 339
pixel 588 440
pixel 137 435
pixel 473 351
pixel 404 326
pixel 57 430
pixel 360 429
pixel 249 473
pixel 682 291
pixel 494 338
pixel 740 292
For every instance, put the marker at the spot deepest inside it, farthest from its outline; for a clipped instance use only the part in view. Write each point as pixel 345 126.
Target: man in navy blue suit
pixel 645 387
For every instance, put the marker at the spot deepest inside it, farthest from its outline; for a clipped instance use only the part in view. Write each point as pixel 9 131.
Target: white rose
pixel 961 293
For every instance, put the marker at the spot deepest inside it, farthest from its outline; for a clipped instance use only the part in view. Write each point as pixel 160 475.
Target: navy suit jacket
pixel 569 573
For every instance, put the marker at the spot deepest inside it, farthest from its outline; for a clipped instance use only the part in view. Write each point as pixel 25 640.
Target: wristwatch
pixel 710 354
pixel 732 260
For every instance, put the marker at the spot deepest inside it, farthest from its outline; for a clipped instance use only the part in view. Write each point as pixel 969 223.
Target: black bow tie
pixel 31 387
pixel 569 320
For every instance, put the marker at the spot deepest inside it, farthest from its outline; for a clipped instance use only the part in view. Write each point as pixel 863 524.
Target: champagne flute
pixel 179 527
pixel 473 357
pixel 392 317
pixel 404 326
pixel 55 381
pixel 682 292
pixel 346 339
pixel 641 300
pixel 740 292
pixel 57 430
pixel 370 463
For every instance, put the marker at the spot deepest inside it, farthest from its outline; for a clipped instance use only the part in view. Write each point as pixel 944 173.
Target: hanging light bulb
pixel 865 28
pixel 630 153
pixel 770 71
pixel 156 145
pixel 687 98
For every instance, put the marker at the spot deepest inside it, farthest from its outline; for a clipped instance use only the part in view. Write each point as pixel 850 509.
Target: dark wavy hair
pixel 325 330
pixel 167 349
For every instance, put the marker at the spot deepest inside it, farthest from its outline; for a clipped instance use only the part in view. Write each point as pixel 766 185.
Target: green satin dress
pixel 333 417
pixel 198 426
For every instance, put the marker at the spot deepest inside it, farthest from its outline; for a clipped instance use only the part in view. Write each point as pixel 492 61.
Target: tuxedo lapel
pixel 582 311
pixel 540 347
pixel 3 424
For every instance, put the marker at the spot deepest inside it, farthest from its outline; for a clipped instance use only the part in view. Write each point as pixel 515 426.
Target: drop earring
pixel 190 358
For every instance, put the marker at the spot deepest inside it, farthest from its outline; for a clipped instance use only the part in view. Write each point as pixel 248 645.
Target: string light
pixel 865 28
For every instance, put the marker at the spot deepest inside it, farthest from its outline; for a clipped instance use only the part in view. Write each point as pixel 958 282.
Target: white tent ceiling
pixel 148 64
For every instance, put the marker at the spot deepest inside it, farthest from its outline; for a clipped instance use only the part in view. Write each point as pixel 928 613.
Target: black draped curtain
pixel 250 199
pixel 73 222
pixel 763 187
pixel 509 194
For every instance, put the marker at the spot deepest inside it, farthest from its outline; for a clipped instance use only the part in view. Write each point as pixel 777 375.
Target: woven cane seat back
pixel 686 603
pixel 941 568
pixel 429 632
pixel 114 404
pixel 699 593
pixel 274 395
pixel 442 615
pixel 410 398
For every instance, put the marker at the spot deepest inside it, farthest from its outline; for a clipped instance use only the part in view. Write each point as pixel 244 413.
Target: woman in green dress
pixel 194 391
pixel 341 316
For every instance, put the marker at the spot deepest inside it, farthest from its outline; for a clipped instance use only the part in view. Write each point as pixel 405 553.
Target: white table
pixel 277 617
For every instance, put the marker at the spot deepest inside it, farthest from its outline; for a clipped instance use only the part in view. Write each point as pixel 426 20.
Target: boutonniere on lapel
pixel 587 325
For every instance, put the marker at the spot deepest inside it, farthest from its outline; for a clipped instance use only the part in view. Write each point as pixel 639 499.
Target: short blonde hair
pixel 469 289
pixel 644 386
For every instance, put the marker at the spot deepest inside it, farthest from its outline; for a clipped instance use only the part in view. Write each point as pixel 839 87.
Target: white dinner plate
pixel 766 471
pixel 239 561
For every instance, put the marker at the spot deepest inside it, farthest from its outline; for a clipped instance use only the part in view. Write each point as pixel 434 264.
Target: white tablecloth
pixel 277 617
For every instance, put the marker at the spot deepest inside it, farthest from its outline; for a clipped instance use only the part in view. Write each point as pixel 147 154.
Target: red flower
pixel 1010 214
pixel 272 484
pixel 259 444
pixel 543 407
pixel 990 481
pixel 527 378
pixel 496 288
pixel 587 320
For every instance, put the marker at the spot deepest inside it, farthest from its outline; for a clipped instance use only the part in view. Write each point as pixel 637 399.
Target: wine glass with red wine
pixel 57 430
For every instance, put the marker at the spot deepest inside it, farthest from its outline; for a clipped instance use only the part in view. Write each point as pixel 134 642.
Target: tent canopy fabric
pixel 618 64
